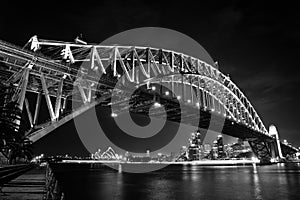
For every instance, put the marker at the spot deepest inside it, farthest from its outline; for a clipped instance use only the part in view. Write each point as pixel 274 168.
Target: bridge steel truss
pixel 65 72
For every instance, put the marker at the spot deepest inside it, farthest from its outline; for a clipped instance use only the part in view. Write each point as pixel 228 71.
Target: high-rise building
pixel 214 150
pixel 194 150
pixel 207 148
pixel 221 153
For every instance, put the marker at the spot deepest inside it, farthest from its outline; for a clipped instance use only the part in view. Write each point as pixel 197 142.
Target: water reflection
pixel 257 187
pixel 118 192
pixel 161 189
pixel 183 182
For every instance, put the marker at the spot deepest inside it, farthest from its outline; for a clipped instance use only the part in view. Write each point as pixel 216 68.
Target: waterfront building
pixel 214 150
pixel 206 148
pixel 221 153
pixel 195 151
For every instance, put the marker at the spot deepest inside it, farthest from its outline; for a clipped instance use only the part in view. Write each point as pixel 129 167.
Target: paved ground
pixel 29 186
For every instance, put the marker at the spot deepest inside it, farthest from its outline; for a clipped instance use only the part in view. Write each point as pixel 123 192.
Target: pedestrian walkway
pixel 29 186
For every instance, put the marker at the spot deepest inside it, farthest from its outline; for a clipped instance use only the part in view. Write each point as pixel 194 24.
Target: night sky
pixel 256 43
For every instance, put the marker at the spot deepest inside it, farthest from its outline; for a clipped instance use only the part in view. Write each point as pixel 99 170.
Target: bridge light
pixel 114 115
pixel 157 105
pixel 79 41
pixel 153 88
pixel 167 93
pixel 64 76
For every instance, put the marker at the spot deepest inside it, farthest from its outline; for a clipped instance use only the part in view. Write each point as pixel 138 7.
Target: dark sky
pixel 255 42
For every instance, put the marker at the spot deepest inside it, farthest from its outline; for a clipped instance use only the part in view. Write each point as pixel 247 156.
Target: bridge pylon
pixel 273 132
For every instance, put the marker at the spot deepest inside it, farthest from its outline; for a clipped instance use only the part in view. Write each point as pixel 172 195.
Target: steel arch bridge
pixel 65 72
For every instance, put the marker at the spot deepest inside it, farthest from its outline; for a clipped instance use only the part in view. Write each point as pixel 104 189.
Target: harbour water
pixel 86 181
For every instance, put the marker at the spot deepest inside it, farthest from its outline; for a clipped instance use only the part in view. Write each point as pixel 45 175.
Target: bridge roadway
pixel 238 117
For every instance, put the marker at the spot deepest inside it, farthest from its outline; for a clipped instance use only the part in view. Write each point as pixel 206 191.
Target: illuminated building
pixel 195 149
pixel 207 148
pixel 221 153
pixel 214 150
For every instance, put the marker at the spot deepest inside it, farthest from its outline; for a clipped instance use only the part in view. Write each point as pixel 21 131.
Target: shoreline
pixel 199 163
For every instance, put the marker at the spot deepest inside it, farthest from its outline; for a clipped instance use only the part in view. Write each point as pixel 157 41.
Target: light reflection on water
pixel 182 182
pixel 257 187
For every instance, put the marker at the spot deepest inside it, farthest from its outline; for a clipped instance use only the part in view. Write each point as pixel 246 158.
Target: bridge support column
pixel 261 149
pixel 273 149
pixel 192 91
pixel 58 99
pixel 64 104
pixel 37 108
pixel 28 112
pixel 47 96
pixel 206 104
pixel 24 84
pixel 22 94
pixel 273 132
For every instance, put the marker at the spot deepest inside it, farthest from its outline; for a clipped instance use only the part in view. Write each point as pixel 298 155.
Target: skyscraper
pixel 194 149
pixel 214 150
pixel 221 153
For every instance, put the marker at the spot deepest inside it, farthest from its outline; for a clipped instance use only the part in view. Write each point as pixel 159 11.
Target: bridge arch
pixel 155 63
pixel 223 98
